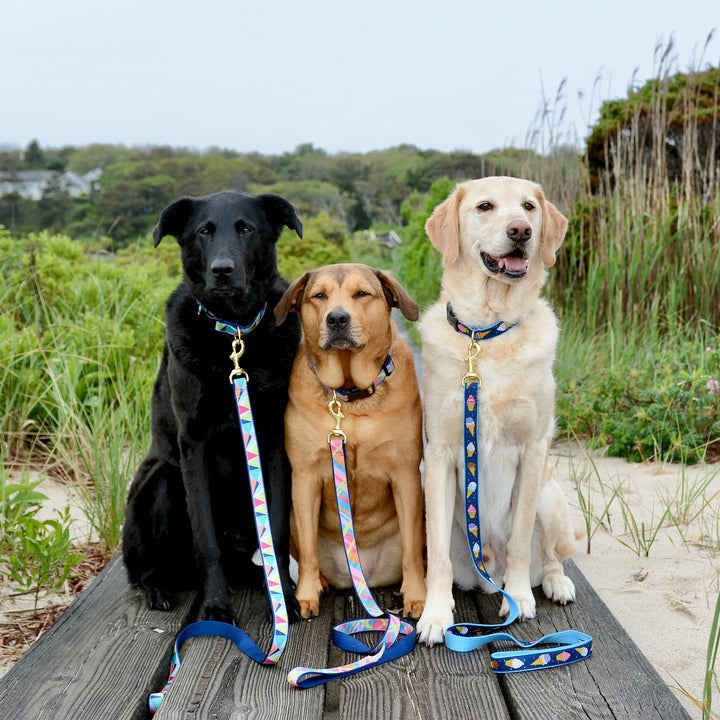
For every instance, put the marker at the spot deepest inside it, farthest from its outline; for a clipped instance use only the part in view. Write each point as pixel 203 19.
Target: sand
pixel 665 600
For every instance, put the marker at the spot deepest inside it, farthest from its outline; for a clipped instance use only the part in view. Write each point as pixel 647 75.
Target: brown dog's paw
pixel 308 592
pixel 309 608
pixel 413 608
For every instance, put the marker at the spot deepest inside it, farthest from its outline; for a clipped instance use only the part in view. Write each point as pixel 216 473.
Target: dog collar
pixel 354 393
pixel 232 328
pixel 486 333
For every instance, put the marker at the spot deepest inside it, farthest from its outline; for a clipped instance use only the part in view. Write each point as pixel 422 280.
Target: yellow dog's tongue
pixel 516 264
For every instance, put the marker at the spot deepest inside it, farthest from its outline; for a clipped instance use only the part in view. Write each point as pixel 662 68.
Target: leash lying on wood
pixel 561 648
pixel 398 637
pixel 239 380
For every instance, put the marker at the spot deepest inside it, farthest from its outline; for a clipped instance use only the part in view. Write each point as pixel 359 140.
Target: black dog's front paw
pixel 293 608
pixel 219 612
pixel 159 599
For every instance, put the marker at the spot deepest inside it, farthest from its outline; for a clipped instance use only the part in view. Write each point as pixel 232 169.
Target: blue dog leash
pixel 555 649
pixel 239 380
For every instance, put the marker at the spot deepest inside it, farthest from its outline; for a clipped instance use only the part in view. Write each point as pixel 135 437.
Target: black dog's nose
pixel 337 319
pixel 519 231
pixel 222 266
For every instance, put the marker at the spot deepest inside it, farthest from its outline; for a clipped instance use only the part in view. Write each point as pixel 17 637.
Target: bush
pixel 648 408
pixel 420 262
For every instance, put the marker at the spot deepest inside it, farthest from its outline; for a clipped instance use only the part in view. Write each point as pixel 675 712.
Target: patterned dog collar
pixel 232 328
pixel 354 393
pixel 486 333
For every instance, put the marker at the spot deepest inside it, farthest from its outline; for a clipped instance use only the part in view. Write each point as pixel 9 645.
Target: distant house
pixel 390 240
pixel 31 184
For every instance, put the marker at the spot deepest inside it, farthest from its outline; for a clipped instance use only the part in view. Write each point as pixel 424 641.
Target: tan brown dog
pixel 349 336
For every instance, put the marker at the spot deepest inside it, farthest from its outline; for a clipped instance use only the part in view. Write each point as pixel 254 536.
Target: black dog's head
pixel 228 244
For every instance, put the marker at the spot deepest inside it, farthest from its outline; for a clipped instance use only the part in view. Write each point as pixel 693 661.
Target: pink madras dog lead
pixel 398 637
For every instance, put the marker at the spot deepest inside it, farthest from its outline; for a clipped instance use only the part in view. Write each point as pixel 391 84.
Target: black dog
pixel 189 518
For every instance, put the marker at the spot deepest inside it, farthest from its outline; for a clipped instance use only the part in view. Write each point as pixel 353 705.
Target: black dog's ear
pixel 280 213
pixel 173 220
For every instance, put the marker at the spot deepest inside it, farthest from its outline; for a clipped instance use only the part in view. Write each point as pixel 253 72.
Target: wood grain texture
pixel 108 652
pixel 101 659
pixel 217 681
pixel 428 684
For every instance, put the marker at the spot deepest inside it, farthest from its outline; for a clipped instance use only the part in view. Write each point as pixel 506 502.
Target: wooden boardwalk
pixel 108 652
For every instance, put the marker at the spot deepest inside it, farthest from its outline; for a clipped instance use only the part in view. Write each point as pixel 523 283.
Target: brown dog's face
pixel 345 309
pixel 505 225
pixel 342 307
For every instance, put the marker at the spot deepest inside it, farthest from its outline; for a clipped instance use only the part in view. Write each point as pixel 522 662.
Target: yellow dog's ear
pixel 443 229
pixel 291 299
pixel 554 228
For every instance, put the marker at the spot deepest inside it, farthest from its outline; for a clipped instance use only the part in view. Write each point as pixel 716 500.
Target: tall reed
pixel 642 247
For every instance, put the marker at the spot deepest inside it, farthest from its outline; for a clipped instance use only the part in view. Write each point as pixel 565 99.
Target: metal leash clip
pixel 471 376
pixel 335 410
pixel 238 346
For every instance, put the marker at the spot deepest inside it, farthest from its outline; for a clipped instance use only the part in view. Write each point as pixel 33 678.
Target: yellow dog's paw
pixel 308 594
pixel 526 606
pixel 559 588
pixel 432 624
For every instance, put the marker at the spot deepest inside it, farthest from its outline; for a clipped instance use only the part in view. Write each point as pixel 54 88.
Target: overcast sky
pixel 268 75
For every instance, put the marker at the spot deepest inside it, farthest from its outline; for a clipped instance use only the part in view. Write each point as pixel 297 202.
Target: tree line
pixel 673 117
pixel 360 190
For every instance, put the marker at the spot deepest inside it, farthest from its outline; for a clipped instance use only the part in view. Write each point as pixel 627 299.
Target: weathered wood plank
pixel 618 682
pixel 108 652
pixel 100 659
pixel 428 684
pixel 218 681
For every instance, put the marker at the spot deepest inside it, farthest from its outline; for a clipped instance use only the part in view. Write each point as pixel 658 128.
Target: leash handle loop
pixel 269 560
pixel 567 647
pixel 398 637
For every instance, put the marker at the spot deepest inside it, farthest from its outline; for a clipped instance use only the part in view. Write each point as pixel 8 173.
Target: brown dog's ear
pixel 397 296
pixel 292 298
pixel 443 229
pixel 173 220
pixel 554 228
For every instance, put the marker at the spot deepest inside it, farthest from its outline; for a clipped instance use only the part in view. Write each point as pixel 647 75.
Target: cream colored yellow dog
pixel 497 237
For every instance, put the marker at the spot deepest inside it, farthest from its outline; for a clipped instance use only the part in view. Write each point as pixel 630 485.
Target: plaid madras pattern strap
pixel 269 560
pixel 567 647
pixel 398 637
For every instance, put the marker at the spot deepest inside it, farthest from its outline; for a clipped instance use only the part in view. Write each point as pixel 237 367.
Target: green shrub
pixel 35 554
pixel 662 403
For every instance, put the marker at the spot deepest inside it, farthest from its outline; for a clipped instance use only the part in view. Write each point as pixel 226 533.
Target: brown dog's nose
pixel 519 231
pixel 337 319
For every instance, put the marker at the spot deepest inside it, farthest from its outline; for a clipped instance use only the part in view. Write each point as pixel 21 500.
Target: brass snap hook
pixel 472 353
pixel 238 350
pixel 336 411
